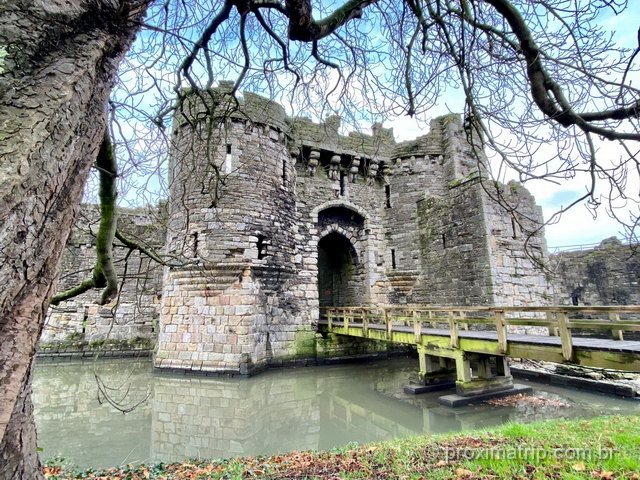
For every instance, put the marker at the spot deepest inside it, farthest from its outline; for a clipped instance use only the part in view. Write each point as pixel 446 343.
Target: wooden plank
pixel 475 320
pixel 573 309
pixel 550 308
pixel 530 322
pixel 365 323
pixel 553 329
pixel 453 330
pixel 417 327
pixel 501 330
pixel 613 326
pixel 432 323
pixel 565 336
pixel 461 319
pixel 616 333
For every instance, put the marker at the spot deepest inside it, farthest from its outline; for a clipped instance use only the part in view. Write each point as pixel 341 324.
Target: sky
pixel 579 226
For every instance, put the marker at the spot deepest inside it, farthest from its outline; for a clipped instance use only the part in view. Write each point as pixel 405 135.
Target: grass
pixel 600 448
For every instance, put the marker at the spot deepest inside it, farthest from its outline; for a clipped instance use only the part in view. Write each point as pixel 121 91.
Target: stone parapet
pixel 275 217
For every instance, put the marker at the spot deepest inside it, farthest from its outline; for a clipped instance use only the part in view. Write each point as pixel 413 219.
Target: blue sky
pixel 579 226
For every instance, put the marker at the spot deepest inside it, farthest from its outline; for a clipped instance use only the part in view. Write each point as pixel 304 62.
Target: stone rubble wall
pixel 135 314
pixel 454 249
pixel 608 274
pixel 516 268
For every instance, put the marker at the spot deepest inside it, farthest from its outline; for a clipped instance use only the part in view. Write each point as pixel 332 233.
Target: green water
pixel 280 410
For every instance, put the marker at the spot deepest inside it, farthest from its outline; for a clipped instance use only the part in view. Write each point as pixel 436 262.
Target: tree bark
pixel 57 64
pixel 18 454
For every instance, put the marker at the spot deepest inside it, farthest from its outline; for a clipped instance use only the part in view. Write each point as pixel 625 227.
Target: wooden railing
pixel 557 320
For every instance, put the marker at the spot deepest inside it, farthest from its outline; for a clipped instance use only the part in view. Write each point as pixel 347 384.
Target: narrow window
pixel 575 299
pixel 284 171
pixel 444 241
pixel 387 194
pixel 228 160
pixel 514 228
pixel 262 247
pixel 393 258
pixel 343 177
pixel 194 236
pixel 84 322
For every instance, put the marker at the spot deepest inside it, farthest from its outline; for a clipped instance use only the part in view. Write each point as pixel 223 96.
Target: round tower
pixel 231 227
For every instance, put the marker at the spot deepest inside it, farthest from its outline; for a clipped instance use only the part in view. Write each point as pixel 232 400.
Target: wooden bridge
pixel 468 346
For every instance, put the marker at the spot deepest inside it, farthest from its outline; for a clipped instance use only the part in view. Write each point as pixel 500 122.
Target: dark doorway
pixel 337 264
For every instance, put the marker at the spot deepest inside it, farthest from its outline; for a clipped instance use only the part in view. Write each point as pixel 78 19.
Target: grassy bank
pixel 601 448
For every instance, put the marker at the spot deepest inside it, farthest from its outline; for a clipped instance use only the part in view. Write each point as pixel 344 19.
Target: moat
pixel 281 410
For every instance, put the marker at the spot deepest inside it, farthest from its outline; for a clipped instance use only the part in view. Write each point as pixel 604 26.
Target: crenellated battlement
pixel 280 216
pixel 301 132
pixel 218 104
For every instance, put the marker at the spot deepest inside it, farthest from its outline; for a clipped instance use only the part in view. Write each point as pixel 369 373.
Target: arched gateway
pixel 341 274
pixel 337 264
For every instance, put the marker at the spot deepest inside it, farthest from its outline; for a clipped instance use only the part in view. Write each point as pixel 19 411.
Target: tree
pixel 59 62
pixel 542 71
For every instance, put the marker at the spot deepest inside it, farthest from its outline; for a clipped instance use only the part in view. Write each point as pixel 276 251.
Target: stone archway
pixel 339 276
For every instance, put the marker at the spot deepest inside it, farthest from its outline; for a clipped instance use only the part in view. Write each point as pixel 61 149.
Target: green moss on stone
pixel 461 181
pixel 304 343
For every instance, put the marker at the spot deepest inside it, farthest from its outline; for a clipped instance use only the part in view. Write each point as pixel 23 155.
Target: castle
pixel 272 218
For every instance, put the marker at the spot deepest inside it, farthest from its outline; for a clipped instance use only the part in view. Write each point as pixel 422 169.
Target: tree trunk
pixel 18 454
pixel 57 64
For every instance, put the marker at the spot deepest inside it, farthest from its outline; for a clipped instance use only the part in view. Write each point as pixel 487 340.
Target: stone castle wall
pixel 136 313
pixel 276 217
pixel 608 274
pixel 243 302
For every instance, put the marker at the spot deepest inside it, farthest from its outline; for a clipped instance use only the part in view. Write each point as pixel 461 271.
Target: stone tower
pixel 280 216
pixel 232 210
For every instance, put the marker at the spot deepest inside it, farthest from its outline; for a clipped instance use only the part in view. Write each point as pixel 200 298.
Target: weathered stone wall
pixel 263 206
pixel 515 266
pixel 452 243
pixel 136 311
pixel 243 303
pixel 608 274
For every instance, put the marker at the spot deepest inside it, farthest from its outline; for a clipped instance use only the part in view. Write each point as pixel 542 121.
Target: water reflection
pixel 278 411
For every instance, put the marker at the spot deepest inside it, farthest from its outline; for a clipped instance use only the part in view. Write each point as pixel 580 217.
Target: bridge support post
pixel 487 380
pixel 436 373
pixel 493 379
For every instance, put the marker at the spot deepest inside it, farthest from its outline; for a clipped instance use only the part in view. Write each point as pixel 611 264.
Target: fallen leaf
pixel 579 467
pixel 463 472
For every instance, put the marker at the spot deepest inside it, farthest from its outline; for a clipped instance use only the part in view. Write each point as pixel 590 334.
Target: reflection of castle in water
pixel 187 417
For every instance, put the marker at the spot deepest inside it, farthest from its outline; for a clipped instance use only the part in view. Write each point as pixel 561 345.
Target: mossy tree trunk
pixel 57 64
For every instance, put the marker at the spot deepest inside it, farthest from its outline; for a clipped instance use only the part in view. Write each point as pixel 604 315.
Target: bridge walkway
pixel 468 346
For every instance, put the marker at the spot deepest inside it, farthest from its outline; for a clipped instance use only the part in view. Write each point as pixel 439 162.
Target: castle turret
pixel 281 216
pixel 232 213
